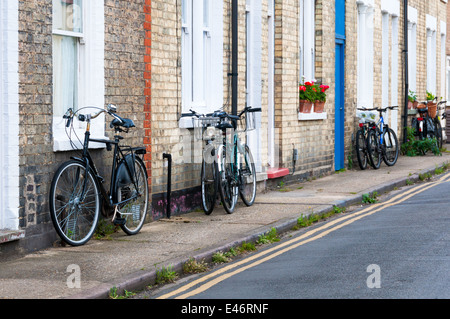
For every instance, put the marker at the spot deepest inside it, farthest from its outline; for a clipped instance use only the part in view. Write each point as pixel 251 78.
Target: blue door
pixel 339 108
pixel 339 149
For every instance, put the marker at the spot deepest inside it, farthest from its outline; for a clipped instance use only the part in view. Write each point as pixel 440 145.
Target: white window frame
pixel 412 48
pixel 365 19
pixel 431 54
pixel 202 57
pixel 307 28
pixel 443 30
pixel 9 115
pixel 91 77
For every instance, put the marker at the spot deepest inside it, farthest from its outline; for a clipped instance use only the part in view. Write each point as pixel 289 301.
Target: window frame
pixel 91 78
pixel 307 41
pixel 201 57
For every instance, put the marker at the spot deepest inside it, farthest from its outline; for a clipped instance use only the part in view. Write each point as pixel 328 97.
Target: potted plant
pixel 412 100
pixel 319 104
pixel 432 105
pixel 308 93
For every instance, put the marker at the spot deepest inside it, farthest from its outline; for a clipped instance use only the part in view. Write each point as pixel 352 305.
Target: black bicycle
pixel 361 139
pixel 77 194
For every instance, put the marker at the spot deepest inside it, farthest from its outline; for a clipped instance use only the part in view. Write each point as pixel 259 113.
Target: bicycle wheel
pixel 438 132
pixel 134 211
pixel 209 184
pixel 75 203
pixel 361 149
pixel 228 188
pixel 373 149
pixel 390 147
pixel 247 177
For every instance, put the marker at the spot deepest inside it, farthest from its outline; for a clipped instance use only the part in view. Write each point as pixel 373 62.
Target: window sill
pixel 63 144
pixel 312 116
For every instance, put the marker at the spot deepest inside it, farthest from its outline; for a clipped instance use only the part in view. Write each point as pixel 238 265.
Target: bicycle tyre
pixel 391 148
pixel 134 211
pixel 361 149
pixel 75 219
pixel 247 177
pixel 228 188
pixel 209 185
pixel 373 149
pixel 438 132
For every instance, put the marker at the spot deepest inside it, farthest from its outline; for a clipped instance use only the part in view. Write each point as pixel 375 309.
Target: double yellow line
pixel 226 272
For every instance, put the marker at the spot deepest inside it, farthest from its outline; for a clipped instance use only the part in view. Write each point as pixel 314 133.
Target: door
pixel 271 101
pixel 340 86
pixel 339 107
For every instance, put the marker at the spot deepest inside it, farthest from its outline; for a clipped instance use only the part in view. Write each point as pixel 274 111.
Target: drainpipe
pixel 234 56
pixel 405 33
pixel 169 182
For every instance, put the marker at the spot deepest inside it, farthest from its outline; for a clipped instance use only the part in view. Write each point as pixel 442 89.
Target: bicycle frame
pixel 118 157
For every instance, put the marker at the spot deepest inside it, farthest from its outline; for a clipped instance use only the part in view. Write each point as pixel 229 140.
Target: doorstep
pixel 11 235
pixel 277 172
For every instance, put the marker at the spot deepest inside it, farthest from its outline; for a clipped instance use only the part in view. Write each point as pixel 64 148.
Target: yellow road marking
pixel 294 243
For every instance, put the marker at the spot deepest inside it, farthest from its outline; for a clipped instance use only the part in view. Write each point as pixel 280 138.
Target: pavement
pixel 130 262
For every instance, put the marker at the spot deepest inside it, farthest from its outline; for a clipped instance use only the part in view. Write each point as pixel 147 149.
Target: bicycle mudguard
pixel 123 177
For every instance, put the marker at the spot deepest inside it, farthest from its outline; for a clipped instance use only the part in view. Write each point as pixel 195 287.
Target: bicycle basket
pixel 247 122
pixel 367 116
pixel 201 125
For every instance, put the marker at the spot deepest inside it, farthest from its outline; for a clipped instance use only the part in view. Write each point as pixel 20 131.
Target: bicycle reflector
pixel 361 124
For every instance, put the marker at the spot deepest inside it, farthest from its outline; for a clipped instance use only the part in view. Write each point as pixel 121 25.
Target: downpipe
pixel 169 182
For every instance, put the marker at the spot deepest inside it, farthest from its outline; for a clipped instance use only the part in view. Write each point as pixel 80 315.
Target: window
pixel 307 39
pixel 78 64
pixel 443 27
pixel 431 54
pixel 202 55
pixel 412 48
pixel 365 53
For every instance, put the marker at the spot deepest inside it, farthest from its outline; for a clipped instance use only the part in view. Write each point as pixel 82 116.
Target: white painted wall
pixel 9 116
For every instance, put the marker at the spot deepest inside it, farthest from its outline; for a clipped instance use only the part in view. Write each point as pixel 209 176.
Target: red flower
pixel 308 83
pixel 302 88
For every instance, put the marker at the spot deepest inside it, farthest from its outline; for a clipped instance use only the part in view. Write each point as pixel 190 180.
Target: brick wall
pixel 125 86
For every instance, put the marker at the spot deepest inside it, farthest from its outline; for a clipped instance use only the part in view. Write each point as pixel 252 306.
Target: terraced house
pixel 356 47
pixel 57 54
pixel 157 59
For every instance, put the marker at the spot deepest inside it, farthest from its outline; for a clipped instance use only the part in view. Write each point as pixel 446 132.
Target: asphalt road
pixel 398 248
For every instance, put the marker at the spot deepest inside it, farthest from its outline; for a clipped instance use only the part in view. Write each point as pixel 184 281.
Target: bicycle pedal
pixel 119 221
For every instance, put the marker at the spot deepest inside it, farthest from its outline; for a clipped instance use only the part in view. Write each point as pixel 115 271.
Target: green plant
pixel 412 96
pixel 193 266
pixel 409 182
pixel 104 229
pixel 270 237
pixel 369 198
pixel 321 94
pixel 114 295
pixel 220 257
pixel 309 91
pixel 247 246
pixel 415 147
pixel 430 96
pixel 164 275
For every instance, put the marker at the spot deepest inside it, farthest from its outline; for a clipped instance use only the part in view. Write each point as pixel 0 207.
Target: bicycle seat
pixel 126 123
pixel 422 109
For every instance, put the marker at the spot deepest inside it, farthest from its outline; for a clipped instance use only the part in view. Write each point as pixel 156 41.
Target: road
pixel 396 248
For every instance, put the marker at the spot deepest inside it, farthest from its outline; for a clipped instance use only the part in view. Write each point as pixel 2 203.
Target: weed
pixel 193 266
pixel 409 182
pixel 165 275
pixel 369 198
pixel 247 247
pixel 104 229
pixel 270 237
pixel 220 257
pixel 425 176
pixel 113 294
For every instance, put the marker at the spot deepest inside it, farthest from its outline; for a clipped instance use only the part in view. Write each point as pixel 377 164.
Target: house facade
pixel 157 59
pixel 57 54
pixel 354 46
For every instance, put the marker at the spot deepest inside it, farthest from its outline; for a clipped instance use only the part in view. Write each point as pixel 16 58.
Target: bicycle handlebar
pixel 380 109
pixel 110 109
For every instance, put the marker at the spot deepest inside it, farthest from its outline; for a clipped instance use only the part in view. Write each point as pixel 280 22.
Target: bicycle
pixel 204 129
pixel 427 124
pixel 361 138
pixel 77 194
pixel 382 142
pixel 236 168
